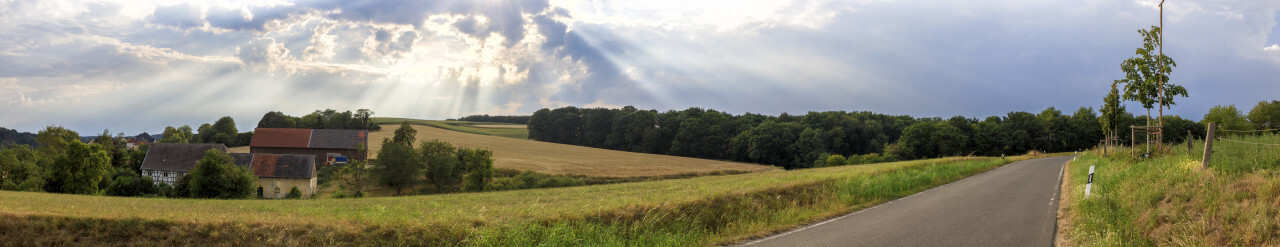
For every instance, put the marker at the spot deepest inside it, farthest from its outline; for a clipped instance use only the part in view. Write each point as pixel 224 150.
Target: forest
pixel 802 141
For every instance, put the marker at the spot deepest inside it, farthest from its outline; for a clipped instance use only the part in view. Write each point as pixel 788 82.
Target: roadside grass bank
pixel 684 212
pixel 1170 201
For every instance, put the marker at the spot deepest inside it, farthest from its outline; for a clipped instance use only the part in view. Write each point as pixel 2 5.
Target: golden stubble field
pixel 553 158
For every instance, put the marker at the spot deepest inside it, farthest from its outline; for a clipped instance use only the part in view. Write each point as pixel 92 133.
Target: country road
pixel 1013 205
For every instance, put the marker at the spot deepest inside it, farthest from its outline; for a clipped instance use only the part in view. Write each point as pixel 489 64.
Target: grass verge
pixel 1170 201
pixel 696 211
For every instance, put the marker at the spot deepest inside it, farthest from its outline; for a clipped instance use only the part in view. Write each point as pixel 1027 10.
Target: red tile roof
pixel 278 165
pixel 281 138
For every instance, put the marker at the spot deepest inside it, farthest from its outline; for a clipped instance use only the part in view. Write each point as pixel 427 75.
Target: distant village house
pixel 166 162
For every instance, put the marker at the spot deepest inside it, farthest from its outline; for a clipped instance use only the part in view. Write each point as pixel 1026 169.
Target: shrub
pixel 216 176
pixel 294 193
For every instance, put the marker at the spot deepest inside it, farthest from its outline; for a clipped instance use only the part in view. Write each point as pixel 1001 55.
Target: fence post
pixel 1208 146
pixel 1189 141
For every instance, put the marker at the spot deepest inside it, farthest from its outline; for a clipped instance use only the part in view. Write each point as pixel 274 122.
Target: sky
pixel 134 66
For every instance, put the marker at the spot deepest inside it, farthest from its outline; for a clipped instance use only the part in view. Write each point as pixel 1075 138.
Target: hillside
pixel 698 211
pixel 552 158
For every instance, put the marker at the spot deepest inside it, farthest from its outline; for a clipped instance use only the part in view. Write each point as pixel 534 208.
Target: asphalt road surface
pixel 1014 205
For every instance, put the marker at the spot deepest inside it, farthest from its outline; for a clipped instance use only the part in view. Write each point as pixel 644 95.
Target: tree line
pixel 326 119
pixel 809 140
pixel 224 130
pixel 63 164
pixel 514 119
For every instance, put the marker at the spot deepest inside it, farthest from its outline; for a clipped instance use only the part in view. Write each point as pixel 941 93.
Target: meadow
pixel 697 211
pixel 562 159
pixel 1170 200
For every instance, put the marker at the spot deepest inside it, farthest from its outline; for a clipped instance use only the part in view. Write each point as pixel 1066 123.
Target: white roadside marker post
pixel 1088 185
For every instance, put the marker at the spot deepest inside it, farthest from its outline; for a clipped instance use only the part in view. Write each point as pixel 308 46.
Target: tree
pixel 204 133
pixel 1227 117
pixel 1112 111
pixel 364 115
pixel 54 139
pixel 20 169
pixel 354 175
pixel 177 135
pixel 397 166
pixel 277 119
pixel 807 149
pixel 1265 115
pixel 405 134
pixel 442 164
pixel 217 176
pixel 79 169
pixel 1148 73
pixel 225 125
pixel 479 163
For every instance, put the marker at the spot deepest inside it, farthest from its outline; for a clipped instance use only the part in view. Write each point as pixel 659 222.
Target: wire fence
pixel 1240 151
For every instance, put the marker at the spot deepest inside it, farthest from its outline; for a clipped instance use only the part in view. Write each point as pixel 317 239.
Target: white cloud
pixel 1273 47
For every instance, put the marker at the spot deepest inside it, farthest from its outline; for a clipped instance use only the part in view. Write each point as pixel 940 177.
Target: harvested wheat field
pixel 553 158
pixel 500 126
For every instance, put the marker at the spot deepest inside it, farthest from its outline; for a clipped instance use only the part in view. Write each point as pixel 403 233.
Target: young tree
pixel 79 169
pixel 1112 111
pixel 398 168
pixel 353 176
pixel 217 176
pixel 1148 73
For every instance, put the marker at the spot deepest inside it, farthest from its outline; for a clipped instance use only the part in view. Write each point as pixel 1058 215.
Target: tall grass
pixel 1170 201
pixel 684 212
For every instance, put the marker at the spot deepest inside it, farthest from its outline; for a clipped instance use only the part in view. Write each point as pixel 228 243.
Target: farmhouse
pixel 325 145
pixel 278 173
pixel 166 162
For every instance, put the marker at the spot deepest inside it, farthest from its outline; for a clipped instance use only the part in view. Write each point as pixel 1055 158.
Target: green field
pixel 1171 201
pixel 697 211
pixel 493 129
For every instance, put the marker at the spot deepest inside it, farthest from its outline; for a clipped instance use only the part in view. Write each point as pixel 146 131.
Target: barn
pixel 324 144
pixel 166 162
pixel 278 173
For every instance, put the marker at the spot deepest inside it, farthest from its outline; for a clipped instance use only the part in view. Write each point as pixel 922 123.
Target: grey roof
pixel 278 165
pixel 337 138
pixel 177 156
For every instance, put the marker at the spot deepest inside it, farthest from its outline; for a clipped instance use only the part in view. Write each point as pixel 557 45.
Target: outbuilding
pixel 279 173
pixel 324 144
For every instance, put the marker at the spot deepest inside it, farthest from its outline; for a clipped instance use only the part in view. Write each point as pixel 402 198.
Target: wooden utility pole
pixel 1208 146
pixel 1160 59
